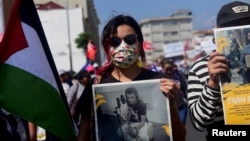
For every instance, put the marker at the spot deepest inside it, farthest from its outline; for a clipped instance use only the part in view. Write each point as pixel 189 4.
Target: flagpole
pixel 69 39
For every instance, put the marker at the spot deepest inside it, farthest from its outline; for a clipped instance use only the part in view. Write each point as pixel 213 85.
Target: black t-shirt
pixel 136 111
pixel 86 100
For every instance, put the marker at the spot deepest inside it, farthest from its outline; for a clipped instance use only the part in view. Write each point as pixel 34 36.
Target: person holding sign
pixel 204 97
pixel 122 41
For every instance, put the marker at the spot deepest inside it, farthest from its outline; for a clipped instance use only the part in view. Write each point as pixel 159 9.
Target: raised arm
pixel 204 97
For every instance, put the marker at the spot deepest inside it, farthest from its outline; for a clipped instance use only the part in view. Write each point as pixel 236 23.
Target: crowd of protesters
pixel 200 81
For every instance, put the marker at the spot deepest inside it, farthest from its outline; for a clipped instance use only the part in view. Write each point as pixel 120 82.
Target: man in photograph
pixel 134 113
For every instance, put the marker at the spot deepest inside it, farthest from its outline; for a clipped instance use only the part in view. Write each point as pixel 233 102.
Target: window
pixel 174 33
pixel 169 23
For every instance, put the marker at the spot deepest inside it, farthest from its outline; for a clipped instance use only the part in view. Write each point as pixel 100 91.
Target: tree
pixel 83 39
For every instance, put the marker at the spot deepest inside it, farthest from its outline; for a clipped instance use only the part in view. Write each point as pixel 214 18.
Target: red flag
pixel 147 45
pixel 89 68
pixel 186 46
pixel 91 51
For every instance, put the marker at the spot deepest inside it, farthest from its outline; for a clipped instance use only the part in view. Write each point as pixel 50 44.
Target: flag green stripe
pixel 34 99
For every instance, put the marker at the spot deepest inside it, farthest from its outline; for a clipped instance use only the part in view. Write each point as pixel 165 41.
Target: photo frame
pixel 234 44
pixel 118 110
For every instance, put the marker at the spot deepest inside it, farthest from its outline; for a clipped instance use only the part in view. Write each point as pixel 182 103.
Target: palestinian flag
pixel 30 86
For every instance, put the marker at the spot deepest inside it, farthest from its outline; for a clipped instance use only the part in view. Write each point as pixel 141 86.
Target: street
pixel 192 133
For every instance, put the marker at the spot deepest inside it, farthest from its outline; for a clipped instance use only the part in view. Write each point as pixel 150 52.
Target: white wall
pixel 56 29
pixel 1 17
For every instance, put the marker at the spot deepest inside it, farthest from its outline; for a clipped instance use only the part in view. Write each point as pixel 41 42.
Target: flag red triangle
pixel 14 38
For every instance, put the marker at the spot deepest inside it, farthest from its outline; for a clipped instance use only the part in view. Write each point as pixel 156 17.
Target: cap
pixel 82 73
pixel 61 71
pixel 233 11
pixel 95 65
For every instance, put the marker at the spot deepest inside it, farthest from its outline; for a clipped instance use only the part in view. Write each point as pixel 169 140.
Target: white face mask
pixel 124 55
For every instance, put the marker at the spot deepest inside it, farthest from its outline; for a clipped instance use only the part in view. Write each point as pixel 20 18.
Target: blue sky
pixel 204 11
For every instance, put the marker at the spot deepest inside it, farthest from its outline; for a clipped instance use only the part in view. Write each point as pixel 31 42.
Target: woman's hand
pixel 169 88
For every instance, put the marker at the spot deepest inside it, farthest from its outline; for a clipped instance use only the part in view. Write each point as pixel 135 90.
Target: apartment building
pixel 160 31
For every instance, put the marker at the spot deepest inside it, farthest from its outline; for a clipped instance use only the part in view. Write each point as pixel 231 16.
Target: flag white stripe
pixel 33 58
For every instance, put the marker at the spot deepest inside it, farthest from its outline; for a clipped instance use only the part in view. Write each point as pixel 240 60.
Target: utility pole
pixel 69 39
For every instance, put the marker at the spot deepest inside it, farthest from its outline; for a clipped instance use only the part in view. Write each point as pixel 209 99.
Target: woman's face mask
pixel 124 55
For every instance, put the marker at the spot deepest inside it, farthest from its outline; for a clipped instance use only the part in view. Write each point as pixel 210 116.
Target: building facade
pixel 160 31
pixel 90 18
pixel 66 56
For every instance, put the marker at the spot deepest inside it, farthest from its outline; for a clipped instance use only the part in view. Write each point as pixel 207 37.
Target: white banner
pixel 173 49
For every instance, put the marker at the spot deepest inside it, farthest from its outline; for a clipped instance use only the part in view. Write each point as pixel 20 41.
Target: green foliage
pixel 83 39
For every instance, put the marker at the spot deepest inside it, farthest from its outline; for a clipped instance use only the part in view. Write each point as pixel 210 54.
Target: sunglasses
pixel 129 39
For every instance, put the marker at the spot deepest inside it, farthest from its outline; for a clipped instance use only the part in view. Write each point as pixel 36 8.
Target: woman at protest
pixel 75 92
pixel 169 68
pixel 122 42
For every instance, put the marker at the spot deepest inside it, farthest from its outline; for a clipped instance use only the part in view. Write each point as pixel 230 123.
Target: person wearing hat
pixel 75 91
pixel 204 98
pixel 64 78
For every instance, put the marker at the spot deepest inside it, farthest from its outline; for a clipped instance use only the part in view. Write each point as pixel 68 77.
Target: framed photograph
pixel 234 44
pixel 131 111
